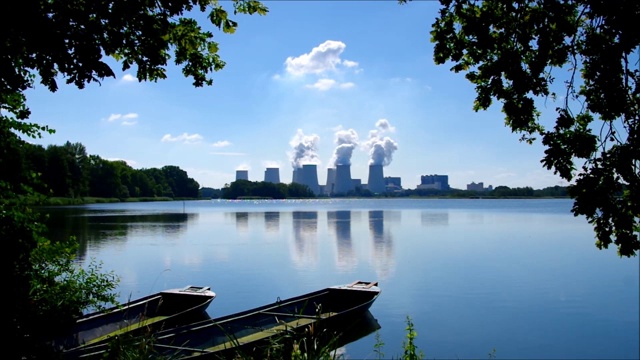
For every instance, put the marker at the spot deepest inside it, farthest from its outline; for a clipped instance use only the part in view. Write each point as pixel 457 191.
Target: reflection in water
pixel 340 223
pixel 272 221
pixel 95 229
pixel 305 233
pixel 430 218
pixel 242 221
pixel 382 252
pixel 354 329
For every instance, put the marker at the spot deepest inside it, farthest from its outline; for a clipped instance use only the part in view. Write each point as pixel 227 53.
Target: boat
pixel 320 314
pixel 162 310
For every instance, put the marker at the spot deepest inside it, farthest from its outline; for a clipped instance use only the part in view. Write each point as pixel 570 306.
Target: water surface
pixel 522 277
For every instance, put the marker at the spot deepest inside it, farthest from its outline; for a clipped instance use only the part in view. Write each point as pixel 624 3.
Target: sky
pixel 322 82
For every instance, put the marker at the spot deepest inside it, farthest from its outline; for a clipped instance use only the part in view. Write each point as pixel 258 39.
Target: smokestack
pixel 308 175
pixel 242 174
pixel 272 175
pixel 343 179
pixel 331 181
pixel 376 179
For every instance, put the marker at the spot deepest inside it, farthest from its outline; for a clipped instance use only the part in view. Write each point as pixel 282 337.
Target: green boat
pixel 163 310
pixel 329 315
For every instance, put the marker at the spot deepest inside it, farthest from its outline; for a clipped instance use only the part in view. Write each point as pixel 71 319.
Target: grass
pixel 313 344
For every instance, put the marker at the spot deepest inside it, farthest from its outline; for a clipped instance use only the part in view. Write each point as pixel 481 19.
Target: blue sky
pixel 308 71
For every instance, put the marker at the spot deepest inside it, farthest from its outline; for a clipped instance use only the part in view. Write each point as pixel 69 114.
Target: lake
pixel 522 277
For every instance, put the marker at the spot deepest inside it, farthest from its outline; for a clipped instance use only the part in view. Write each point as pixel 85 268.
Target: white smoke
pixel 346 141
pixel 381 147
pixel 304 149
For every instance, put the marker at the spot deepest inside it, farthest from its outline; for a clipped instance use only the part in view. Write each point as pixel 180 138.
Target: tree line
pixel 68 171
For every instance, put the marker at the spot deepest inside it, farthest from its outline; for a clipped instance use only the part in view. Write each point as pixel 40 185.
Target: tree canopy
pixel 48 41
pixel 513 52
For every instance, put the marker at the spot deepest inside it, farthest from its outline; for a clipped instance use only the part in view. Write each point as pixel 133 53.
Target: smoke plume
pixel 381 147
pixel 346 141
pixel 304 149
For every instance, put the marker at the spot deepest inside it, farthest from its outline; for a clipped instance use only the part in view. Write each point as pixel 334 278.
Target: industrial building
pixel 343 184
pixel 376 179
pixel 438 182
pixel 307 175
pixel 272 175
pixel 242 174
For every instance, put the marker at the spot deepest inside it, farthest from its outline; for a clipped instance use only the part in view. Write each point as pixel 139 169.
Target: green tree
pixel 513 51
pixel 70 41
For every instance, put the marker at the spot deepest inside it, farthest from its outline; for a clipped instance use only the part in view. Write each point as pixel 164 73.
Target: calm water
pixel 520 276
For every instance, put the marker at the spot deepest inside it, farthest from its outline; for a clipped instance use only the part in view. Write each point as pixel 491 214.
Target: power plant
pixel 331 181
pixel 376 179
pixel 307 175
pixel 272 175
pixel 343 180
pixel 242 174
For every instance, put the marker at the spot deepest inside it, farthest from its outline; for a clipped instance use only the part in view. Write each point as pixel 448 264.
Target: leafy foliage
pixel 52 41
pixel 244 189
pixel 512 52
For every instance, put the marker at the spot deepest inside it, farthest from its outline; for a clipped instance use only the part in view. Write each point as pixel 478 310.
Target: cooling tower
pixel 308 175
pixel 295 177
pixel 376 179
pixel 331 181
pixel 242 174
pixel 343 179
pixel 272 175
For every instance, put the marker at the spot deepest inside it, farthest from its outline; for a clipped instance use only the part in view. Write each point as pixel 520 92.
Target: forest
pixel 68 171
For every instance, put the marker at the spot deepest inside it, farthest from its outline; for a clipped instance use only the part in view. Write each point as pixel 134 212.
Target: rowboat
pixel 162 310
pixel 320 315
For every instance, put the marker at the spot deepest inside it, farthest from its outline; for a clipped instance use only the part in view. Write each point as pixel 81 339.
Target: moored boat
pixel 252 333
pixel 162 310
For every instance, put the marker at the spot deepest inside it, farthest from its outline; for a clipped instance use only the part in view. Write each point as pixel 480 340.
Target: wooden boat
pixel 252 333
pixel 168 308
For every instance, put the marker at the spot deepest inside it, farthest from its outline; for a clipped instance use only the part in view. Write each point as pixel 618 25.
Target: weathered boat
pixel 320 315
pixel 162 310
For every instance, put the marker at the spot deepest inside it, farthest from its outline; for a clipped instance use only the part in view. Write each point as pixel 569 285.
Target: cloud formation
pixel 326 84
pixel 129 78
pixel 304 149
pixel 322 59
pixel 222 143
pixel 346 141
pixel 126 119
pixel 381 147
pixel 185 137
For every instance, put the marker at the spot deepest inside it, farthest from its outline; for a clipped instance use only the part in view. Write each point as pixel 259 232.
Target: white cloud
pixel 130 116
pixel 271 164
pixel 227 153
pixel 322 58
pixel 185 137
pixel 349 63
pixel 114 117
pixel 326 84
pixel 222 143
pixel 129 78
pixel 322 84
pixel 126 118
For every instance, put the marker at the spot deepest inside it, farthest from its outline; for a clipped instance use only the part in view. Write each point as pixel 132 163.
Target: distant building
pixel 478 187
pixel 242 174
pixel 438 182
pixel 272 175
pixel 395 182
